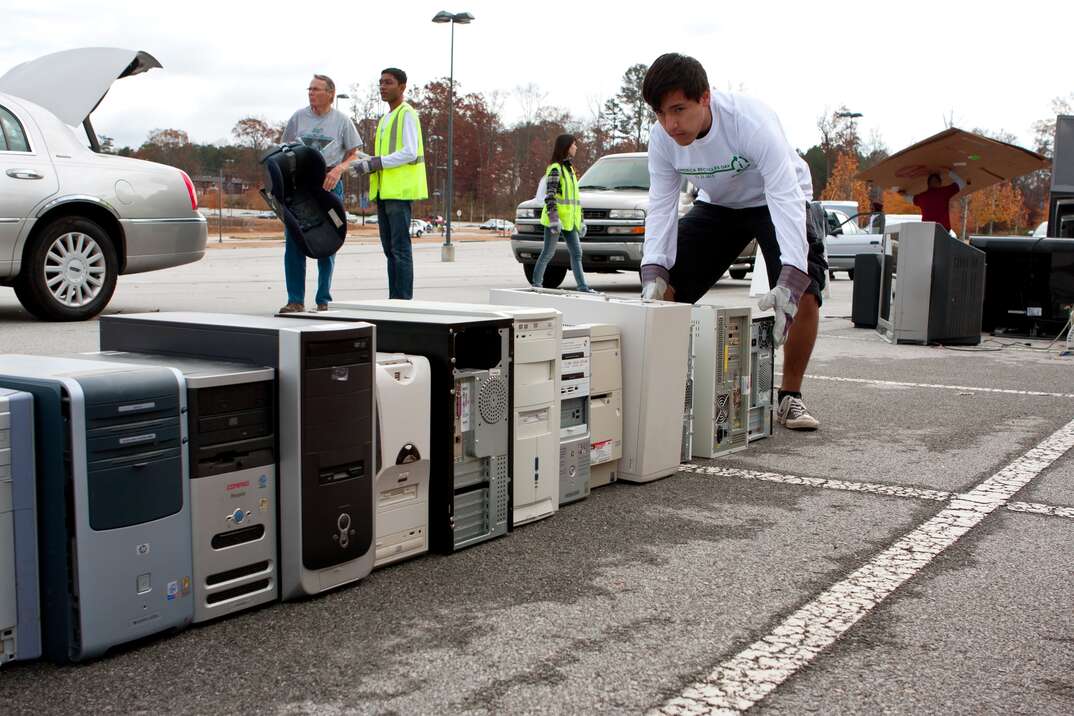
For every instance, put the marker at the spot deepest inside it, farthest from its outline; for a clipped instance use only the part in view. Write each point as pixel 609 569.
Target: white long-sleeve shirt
pixel 744 161
pixel 409 151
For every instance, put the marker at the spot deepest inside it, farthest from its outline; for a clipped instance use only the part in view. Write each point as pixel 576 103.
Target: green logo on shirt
pixel 737 165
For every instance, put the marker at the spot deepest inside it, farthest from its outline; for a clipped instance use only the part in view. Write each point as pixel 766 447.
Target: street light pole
pixel 447 250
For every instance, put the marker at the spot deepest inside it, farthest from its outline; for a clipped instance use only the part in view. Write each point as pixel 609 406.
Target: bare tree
pixel 530 98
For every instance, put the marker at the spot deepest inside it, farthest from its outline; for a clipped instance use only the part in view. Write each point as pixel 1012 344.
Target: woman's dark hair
pixel 561 149
pixel 670 72
pixel 395 72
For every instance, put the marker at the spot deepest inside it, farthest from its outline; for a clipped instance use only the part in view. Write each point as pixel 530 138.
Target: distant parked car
pixel 845 240
pixel 497 225
pixel 417 228
pixel 72 218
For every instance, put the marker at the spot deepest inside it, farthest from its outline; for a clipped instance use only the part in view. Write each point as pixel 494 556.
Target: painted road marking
pixel 1037 508
pixel 872 488
pixel 962 388
pixel 746 678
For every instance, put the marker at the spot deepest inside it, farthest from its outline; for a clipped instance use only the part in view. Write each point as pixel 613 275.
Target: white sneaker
pixel 792 414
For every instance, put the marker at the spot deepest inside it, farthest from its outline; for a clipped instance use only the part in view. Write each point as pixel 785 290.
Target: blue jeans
pixel 294 268
pixel 393 220
pixel 574 248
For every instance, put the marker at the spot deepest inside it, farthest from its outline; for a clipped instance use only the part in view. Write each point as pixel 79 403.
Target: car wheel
pixel 553 275
pixel 738 273
pixel 69 273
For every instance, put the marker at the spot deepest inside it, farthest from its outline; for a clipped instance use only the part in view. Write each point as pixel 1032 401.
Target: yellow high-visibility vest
pixel 567 202
pixel 406 182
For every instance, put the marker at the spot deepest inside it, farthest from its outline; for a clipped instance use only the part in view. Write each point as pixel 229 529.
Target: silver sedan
pixel 72 219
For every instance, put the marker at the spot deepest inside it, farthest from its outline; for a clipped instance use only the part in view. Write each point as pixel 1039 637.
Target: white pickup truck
pixel 615 198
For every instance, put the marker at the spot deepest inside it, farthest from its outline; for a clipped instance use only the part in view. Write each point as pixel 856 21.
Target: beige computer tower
pixel 605 403
pixel 535 376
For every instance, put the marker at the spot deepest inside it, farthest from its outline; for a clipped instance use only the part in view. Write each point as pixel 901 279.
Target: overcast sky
pixel 903 65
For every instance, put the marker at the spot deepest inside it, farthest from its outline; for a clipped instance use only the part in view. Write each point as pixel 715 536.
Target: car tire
pixel 738 274
pixel 553 275
pixel 69 271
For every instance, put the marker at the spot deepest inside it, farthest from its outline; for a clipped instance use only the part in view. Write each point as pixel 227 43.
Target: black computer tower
pixel 866 300
pixel 325 427
pixel 470 360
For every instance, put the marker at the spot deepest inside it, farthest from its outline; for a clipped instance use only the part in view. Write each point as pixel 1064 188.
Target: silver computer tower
pixel 404 417
pixel 110 442
pixel 721 380
pixel 20 611
pixel 574 435
pixel 324 405
pixel 687 452
pixel 232 456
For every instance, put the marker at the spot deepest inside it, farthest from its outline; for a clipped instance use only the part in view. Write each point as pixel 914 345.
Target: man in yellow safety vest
pixel 396 179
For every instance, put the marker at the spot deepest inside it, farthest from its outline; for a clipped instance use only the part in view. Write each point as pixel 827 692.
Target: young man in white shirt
pixel 752 184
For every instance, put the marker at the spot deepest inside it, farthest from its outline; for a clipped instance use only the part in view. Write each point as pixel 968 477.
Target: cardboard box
pixel 979 160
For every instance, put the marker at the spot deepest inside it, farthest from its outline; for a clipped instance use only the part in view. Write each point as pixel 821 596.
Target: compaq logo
pixel 238 485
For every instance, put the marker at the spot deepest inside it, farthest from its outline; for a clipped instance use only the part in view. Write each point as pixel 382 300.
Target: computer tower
pixel 721 380
pixel 324 407
pixel 20 610
pixel 113 495
pixel 1029 284
pixel 655 338
pixel 762 377
pixel 470 361
pixel 605 403
pixel 931 287
pixel 404 391
pixel 866 298
pixel 232 457
pixel 535 420
pixel 687 452
pixel 574 433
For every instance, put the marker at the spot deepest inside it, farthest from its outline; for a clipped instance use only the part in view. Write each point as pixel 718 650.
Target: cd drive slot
pixel 237 537
pixel 339 473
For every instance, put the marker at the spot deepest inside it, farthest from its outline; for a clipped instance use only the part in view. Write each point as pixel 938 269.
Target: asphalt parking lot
pixel 912 556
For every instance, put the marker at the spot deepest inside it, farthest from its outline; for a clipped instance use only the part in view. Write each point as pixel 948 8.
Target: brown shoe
pixel 322 306
pixel 292 308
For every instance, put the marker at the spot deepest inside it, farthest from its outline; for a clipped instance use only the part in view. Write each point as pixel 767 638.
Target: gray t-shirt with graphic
pixel 332 133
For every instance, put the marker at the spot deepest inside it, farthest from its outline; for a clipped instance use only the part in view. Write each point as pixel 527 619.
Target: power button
pixel 344 521
pixel 238 516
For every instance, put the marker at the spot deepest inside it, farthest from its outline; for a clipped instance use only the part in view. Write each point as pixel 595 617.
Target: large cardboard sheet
pixel 979 160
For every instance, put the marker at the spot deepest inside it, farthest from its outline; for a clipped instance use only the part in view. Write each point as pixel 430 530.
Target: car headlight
pixel 527 213
pixel 626 214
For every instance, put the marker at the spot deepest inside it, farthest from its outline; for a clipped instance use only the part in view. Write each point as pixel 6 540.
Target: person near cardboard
pixel 935 201
pixel 752 184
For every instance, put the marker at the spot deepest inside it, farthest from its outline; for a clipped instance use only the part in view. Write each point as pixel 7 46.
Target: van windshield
pixel 612 173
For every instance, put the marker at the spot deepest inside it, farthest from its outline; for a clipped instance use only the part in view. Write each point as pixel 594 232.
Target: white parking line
pixel 962 388
pixel 1038 509
pixel 850 486
pixel 746 678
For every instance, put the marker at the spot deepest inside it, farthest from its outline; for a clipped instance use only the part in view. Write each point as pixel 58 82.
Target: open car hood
pixel 71 84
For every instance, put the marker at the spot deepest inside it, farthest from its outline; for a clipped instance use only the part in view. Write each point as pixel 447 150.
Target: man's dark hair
pixel 670 72
pixel 561 149
pixel 931 176
pixel 397 73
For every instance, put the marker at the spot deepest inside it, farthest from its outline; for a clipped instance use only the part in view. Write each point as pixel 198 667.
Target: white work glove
pixel 583 230
pixel 556 227
pixel 783 300
pixel 654 282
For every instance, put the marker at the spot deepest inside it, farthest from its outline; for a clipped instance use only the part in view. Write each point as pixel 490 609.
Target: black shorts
pixel 712 237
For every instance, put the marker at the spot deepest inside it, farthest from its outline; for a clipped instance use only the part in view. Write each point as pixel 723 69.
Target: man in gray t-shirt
pixel 332 133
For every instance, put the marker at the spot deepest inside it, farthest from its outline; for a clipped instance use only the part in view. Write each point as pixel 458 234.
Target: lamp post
pixel 220 218
pixel 447 251
pixel 341 96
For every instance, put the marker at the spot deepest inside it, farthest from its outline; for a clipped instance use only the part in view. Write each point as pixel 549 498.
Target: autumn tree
pixel 838 135
pixel 254 132
pixel 843 185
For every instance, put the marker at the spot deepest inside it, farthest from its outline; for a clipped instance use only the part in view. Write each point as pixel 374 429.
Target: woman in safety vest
pixel 562 213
